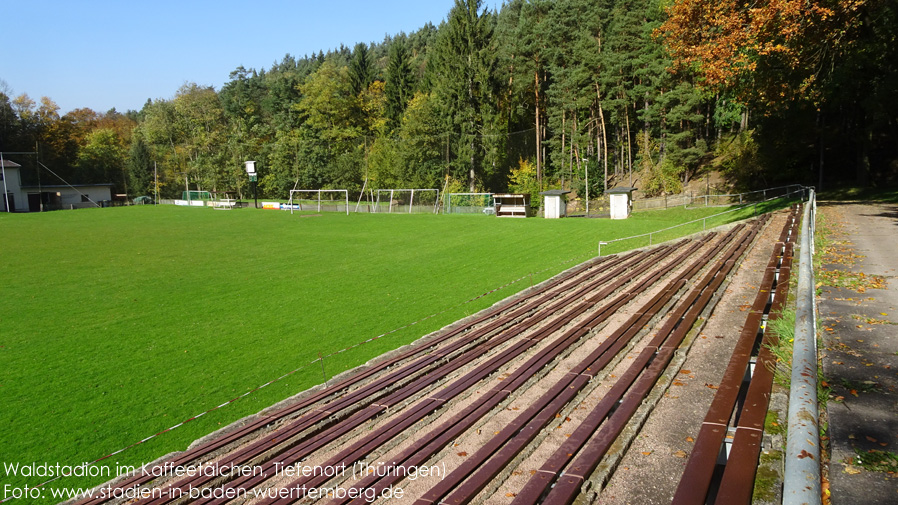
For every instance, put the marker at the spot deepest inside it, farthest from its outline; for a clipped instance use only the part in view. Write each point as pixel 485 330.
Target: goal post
pixel 407 201
pixel 469 203
pixel 328 200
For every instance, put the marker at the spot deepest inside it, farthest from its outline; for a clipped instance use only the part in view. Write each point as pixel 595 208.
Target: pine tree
pixel 140 168
pixel 462 69
pixel 400 81
pixel 361 70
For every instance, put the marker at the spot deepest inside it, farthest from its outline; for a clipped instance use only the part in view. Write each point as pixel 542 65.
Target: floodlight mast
pixel 251 171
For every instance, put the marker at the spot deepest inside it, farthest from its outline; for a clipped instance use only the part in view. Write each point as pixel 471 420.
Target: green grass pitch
pixel 118 323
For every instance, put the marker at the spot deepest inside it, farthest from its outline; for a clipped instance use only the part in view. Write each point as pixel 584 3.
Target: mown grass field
pixel 116 324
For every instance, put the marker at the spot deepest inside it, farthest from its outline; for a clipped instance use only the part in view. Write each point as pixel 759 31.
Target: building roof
pixel 555 192
pixel 10 164
pixel 67 186
pixel 620 190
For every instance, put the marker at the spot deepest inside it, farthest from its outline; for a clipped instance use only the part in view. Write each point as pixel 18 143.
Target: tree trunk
pixel 629 147
pixel 605 145
pixel 820 150
pixel 563 133
pixel 863 152
pixel 472 173
pixel 646 124
pixel 571 157
pixel 604 138
pixel 539 174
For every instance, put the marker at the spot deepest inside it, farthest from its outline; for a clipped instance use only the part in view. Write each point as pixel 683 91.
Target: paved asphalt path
pixel 860 352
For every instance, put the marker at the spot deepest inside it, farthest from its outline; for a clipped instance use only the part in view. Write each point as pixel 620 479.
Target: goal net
pixel 196 195
pixel 407 201
pixel 469 203
pixel 319 200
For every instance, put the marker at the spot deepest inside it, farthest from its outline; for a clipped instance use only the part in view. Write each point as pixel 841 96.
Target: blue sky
pixel 102 54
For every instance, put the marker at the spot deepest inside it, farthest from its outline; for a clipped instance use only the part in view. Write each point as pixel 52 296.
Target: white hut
pixel 621 202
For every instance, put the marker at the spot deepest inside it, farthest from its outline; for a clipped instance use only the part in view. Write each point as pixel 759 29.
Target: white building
pixel 621 202
pixel 555 203
pixel 28 198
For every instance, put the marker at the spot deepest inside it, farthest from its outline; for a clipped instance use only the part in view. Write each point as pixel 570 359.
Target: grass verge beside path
pixel 120 323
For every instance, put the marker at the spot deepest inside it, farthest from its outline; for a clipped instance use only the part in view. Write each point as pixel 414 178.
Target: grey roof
pixel 10 164
pixel 555 192
pixel 66 186
pixel 620 190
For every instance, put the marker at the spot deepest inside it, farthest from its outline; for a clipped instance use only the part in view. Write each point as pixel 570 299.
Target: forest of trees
pixel 526 99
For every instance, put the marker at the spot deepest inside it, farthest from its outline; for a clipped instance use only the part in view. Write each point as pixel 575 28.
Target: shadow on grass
pixel 777 204
pixel 853 195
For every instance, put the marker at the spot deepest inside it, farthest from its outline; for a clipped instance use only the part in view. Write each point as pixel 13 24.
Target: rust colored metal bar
pixel 455 427
pixel 350 456
pixel 502 448
pixel 737 483
pixel 352 399
pixel 337 388
pixel 408 390
pixel 585 453
pixel 568 488
pixel 698 475
pixel 449 430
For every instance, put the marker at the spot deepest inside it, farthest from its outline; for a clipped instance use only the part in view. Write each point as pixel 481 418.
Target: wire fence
pixel 713 200
pixel 601 205
pixel 652 236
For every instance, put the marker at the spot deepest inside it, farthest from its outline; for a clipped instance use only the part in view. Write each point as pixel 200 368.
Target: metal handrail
pixel 802 471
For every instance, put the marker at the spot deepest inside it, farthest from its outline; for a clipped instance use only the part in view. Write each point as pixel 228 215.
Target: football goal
pixel 319 200
pixel 196 195
pixel 407 201
pixel 469 203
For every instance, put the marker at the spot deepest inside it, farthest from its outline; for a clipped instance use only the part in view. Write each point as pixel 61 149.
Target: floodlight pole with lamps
pixel 253 177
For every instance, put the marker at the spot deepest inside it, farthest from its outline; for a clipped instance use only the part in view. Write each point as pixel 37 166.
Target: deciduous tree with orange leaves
pixel 765 51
